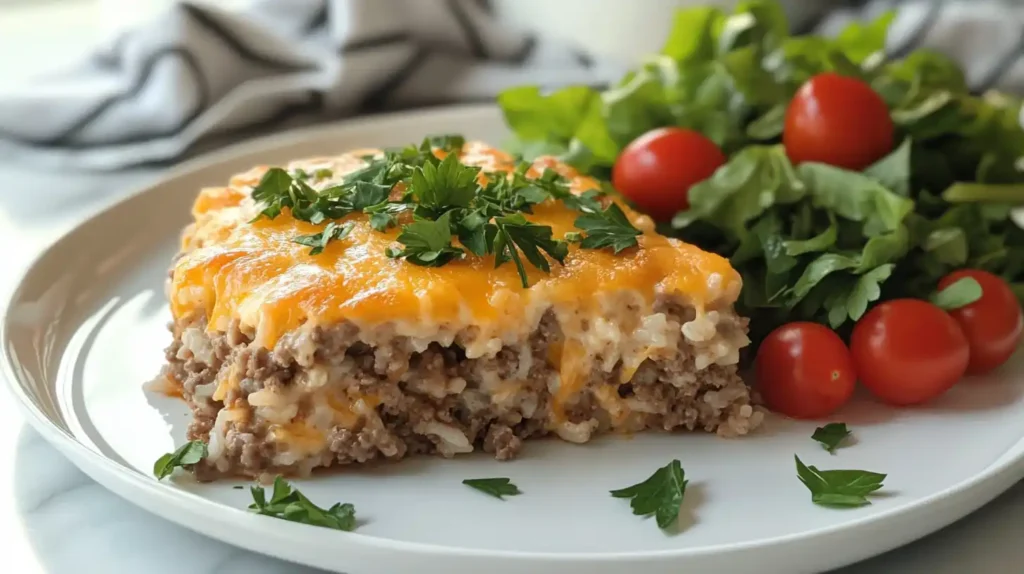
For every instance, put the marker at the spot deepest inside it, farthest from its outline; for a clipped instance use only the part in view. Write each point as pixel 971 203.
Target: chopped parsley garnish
pixel 831 436
pixel 516 234
pixel 450 184
pixel 838 488
pixel 958 294
pixel 660 495
pixel 288 503
pixel 318 241
pixel 185 457
pixel 496 487
pixel 608 228
pixel 427 243
pixel 448 201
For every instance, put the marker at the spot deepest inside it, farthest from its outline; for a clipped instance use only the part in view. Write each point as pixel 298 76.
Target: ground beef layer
pixel 325 397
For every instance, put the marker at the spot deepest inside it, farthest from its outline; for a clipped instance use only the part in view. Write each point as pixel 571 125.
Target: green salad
pixel 813 241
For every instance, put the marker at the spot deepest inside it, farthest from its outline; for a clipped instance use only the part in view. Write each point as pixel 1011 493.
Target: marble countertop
pixel 56 520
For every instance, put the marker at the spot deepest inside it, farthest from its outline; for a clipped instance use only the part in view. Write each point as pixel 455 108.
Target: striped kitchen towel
pixel 200 74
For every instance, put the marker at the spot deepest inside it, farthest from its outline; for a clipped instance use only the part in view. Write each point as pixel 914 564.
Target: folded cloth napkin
pixel 199 73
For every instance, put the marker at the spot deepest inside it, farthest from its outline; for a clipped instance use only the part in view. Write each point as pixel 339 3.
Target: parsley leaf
pixel 427 243
pixel 288 503
pixel 661 494
pixel 367 194
pixel 278 190
pixel 385 215
pixel 608 228
pixel 496 487
pixel 838 488
pixel 831 435
pixel 448 185
pixel 515 234
pixel 960 293
pixel 475 233
pixel 319 241
pixel 447 142
pixel 185 457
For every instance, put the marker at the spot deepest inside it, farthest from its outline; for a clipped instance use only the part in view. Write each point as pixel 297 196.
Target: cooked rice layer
pixel 340 395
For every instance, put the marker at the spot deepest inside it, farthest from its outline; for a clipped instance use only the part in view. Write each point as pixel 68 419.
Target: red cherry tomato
pixel 657 169
pixel 993 324
pixel 908 351
pixel 837 120
pixel 804 370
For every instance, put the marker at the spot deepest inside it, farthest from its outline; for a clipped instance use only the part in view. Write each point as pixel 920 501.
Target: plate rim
pixel 1005 469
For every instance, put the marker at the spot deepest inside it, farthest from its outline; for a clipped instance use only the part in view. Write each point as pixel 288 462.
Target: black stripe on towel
pixel 146 71
pixel 524 53
pixel 473 39
pixel 372 42
pixel 319 19
pixel 583 59
pixel 377 98
pixel 920 32
pixel 229 39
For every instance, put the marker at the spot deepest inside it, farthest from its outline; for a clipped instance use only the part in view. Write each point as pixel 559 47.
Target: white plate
pixel 85 329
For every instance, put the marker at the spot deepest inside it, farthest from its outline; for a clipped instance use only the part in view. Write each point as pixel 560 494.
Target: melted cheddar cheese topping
pixel 252 271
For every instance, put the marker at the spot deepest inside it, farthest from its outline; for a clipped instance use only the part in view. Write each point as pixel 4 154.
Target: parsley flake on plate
pixel 831 436
pixel 185 457
pixel 838 488
pixel 287 503
pixel 660 495
pixel 496 487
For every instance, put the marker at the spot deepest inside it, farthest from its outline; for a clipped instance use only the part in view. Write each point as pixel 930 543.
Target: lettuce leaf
pixel 813 241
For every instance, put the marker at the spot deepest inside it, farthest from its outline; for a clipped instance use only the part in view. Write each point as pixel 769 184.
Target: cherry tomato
pixel 993 324
pixel 804 370
pixel 908 351
pixel 837 120
pixel 657 169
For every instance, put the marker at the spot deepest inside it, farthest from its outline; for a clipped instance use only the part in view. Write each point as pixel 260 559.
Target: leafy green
pixel 427 243
pixel 185 457
pixel 838 488
pixel 756 178
pixel 515 234
pixel 893 171
pixel 496 487
pixel 976 192
pixel 660 495
pixel 855 196
pixel 450 184
pixel 287 503
pixel 860 41
pixel 449 199
pixel 608 228
pixel 319 241
pixel 831 436
pixel 960 293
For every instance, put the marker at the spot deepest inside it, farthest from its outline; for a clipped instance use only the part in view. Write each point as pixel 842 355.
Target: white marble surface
pixel 56 520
